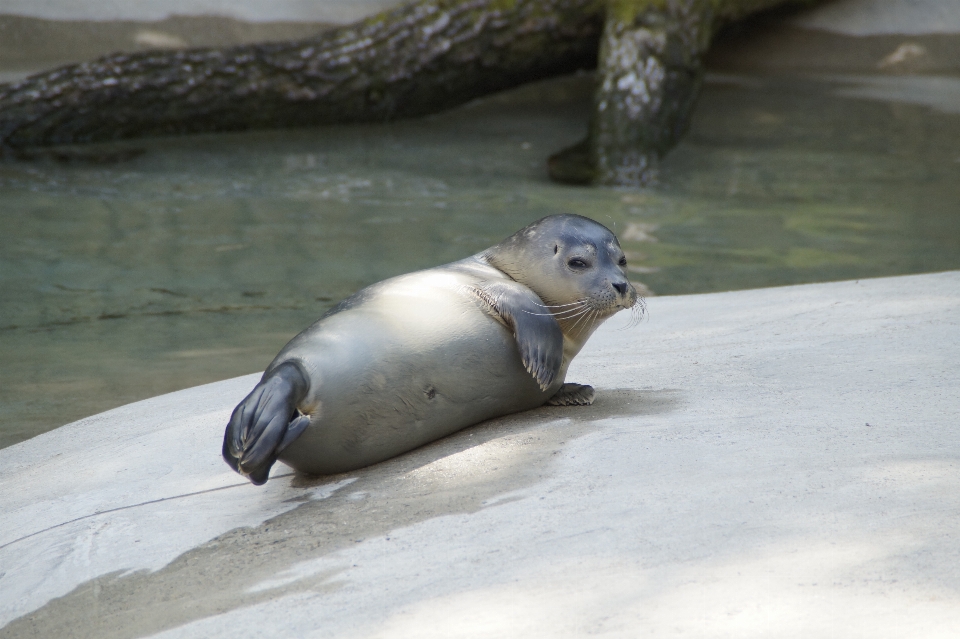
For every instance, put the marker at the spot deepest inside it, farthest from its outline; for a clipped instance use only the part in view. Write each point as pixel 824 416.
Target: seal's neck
pixel 576 334
pixel 500 260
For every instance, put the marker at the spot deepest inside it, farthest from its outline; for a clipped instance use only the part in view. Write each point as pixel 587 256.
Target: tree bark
pixel 417 59
pixel 649 79
pixel 649 72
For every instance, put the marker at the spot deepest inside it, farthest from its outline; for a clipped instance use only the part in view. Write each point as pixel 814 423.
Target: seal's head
pixel 574 264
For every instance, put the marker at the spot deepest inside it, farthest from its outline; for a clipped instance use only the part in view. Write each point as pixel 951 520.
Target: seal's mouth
pixel 577 316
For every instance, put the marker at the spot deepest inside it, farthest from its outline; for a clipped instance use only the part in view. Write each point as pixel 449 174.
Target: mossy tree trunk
pixel 649 76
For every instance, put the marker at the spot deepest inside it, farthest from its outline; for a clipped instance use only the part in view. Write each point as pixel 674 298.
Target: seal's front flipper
pixel 573 395
pixel 538 335
pixel 265 423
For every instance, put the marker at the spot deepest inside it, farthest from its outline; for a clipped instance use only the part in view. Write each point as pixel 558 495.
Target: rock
pixel 778 462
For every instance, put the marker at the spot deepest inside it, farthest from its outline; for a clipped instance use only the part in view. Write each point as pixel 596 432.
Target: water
pixel 200 257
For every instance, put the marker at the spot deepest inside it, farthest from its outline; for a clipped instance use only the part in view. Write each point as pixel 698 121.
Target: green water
pixel 198 259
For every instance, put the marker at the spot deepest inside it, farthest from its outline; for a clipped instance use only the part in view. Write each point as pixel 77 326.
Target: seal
pixel 419 356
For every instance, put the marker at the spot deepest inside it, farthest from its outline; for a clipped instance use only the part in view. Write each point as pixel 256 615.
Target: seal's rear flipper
pixel 266 422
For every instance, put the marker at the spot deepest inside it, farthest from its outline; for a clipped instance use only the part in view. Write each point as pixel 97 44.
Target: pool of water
pixel 140 269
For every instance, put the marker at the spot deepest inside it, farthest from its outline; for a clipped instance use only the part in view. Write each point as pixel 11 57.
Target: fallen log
pixel 420 58
pixel 417 59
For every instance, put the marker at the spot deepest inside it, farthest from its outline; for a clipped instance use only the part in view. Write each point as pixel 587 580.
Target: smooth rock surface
pixel 769 463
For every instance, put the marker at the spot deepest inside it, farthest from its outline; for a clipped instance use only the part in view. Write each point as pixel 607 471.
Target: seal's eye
pixel 623 261
pixel 577 262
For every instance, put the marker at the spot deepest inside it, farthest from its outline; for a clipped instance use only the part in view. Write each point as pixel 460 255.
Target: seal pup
pixel 417 357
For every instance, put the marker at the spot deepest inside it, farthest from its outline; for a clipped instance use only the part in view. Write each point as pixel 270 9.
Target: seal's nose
pixel 621 287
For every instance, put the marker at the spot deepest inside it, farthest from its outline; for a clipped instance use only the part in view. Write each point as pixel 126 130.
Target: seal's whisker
pixel 640 308
pixel 581 301
pixel 566 307
pixel 577 317
pixel 570 312
pixel 593 316
pixel 633 317
pixel 638 311
pixel 567 312
pixel 587 313
pixel 564 314
pixel 574 316
pixel 574 325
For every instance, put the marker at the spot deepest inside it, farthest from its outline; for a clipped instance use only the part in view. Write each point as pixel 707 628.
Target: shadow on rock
pixel 456 475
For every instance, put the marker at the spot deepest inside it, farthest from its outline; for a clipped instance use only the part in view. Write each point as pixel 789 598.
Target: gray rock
pixel 779 462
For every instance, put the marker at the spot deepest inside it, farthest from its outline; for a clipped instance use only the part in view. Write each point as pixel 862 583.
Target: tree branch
pixel 420 58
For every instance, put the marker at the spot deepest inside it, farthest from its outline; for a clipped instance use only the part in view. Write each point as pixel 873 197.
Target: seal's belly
pixel 402 371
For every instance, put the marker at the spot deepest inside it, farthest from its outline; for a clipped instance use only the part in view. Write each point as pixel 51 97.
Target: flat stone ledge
pixel 779 462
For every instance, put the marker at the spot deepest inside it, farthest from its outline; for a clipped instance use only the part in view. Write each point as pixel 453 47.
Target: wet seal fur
pixel 417 357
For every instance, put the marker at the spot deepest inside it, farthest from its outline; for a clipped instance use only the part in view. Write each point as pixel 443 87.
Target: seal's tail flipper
pixel 265 423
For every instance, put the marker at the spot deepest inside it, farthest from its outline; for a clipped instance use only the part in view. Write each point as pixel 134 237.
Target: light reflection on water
pixel 199 259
